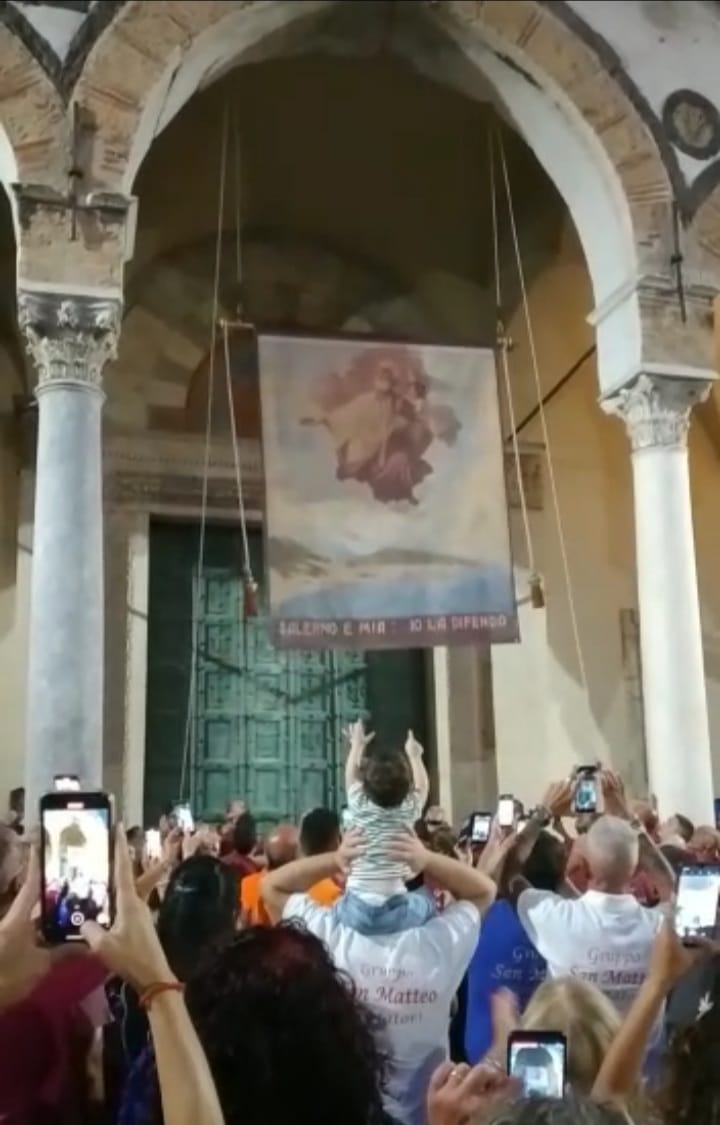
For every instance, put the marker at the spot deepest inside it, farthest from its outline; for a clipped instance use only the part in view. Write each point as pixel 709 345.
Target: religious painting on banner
pixel 386 516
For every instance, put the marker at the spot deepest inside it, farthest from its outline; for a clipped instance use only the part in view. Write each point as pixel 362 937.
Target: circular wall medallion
pixel 692 124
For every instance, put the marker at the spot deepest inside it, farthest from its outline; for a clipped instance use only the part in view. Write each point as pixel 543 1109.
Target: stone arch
pixel 32 117
pixel 571 111
pixel 160 378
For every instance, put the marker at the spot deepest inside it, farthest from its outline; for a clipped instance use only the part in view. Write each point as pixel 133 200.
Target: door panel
pixel 266 725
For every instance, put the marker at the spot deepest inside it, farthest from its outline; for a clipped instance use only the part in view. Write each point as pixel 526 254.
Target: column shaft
pixel 69 340
pixel 675 704
pixel 65 682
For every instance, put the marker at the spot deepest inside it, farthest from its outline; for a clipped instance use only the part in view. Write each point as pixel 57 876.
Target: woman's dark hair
pixel 386 776
pixel 245 834
pixel 285 1035
pixel 197 914
pixel 544 868
pixel 689 1092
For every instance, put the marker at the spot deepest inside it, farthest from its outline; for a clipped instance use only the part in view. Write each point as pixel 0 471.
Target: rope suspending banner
pixel 504 347
pixel 552 480
pixel 223 325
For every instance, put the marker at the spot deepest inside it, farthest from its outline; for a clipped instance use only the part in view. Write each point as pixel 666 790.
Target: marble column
pixel 69 339
pixel 656 411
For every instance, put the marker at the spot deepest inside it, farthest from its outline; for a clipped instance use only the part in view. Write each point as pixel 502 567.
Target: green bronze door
pixel 263 725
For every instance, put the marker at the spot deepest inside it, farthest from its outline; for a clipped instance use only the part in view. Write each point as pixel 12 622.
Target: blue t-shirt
pixel 504 958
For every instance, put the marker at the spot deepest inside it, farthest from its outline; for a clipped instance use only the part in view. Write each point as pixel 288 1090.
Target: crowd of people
pixel 372 972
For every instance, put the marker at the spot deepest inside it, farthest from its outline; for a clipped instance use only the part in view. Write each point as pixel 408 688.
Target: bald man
pixel 281 847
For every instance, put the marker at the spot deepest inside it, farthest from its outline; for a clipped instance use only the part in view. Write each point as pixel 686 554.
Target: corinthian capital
pixel 656 409
pixel 69 338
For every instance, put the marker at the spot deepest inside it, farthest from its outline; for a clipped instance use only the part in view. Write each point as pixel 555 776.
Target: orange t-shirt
pixel 253 908
pixel 325 893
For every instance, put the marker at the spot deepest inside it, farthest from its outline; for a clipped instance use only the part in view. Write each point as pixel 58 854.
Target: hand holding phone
pixel 538 1060
pixel 506 811
pixel 480 825
pixel 66 783
pixel 76 857
pixel 153 844
pixel 184 817
pixel 698 897
pixel 586 795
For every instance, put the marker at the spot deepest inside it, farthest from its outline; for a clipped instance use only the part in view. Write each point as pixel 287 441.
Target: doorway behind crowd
pixel 267 725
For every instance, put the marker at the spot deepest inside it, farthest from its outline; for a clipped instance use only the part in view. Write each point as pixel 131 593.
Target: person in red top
pixel 44 1043
pixel 244 842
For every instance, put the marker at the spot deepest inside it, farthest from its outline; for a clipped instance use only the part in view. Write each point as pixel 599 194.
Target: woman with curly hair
pixel 287 1040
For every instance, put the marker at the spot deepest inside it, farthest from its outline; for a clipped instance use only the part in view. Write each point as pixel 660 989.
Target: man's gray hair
pixel 571 1110
pixel 612 847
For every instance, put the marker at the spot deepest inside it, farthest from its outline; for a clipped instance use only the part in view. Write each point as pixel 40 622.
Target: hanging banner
pixel 386 517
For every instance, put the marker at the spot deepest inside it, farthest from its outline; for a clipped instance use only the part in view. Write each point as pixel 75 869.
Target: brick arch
pixel 556 89
pixel 32 118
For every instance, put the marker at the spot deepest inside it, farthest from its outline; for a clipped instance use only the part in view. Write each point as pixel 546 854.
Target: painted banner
pixel 386 515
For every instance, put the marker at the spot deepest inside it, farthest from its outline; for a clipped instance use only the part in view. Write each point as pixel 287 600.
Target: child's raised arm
pixel 420 781
pixel 359 741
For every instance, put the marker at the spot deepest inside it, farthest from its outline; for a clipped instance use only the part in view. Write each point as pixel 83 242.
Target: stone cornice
pixel 69 337
pixel 146 470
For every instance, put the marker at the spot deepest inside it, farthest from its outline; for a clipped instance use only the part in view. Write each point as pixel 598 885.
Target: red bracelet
pixel 153 990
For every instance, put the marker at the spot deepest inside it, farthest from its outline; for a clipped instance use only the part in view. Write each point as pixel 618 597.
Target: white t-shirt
pixel 409 980
pixel 604 939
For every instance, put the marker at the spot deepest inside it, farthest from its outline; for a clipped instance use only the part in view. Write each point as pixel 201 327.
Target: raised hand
pixel 407 848
pixel 459 1094
pixel 558 798
pixel 22 961
pixel 358 737
pixel 412 746
pixel 614 793
pixel 131 948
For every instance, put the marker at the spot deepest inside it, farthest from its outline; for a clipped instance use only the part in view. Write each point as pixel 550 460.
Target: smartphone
pixel 66 783
pixel 480 824
pixel 538 1059
pixel 585 798
pixel 153 844
pixel 345 819
pixel 696 908
pixel 506 811
pixel 76 863
pixel 184 817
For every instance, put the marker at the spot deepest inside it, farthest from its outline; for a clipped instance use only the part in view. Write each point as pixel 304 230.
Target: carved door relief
pixel 266 725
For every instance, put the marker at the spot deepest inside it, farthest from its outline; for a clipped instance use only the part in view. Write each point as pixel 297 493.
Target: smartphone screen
pixel 184 817
pixel 538 1059
pixel 506 810
pixel 480 827
pixel 696 911
pixel 586 791
pixel 153 844
pixel 76 854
